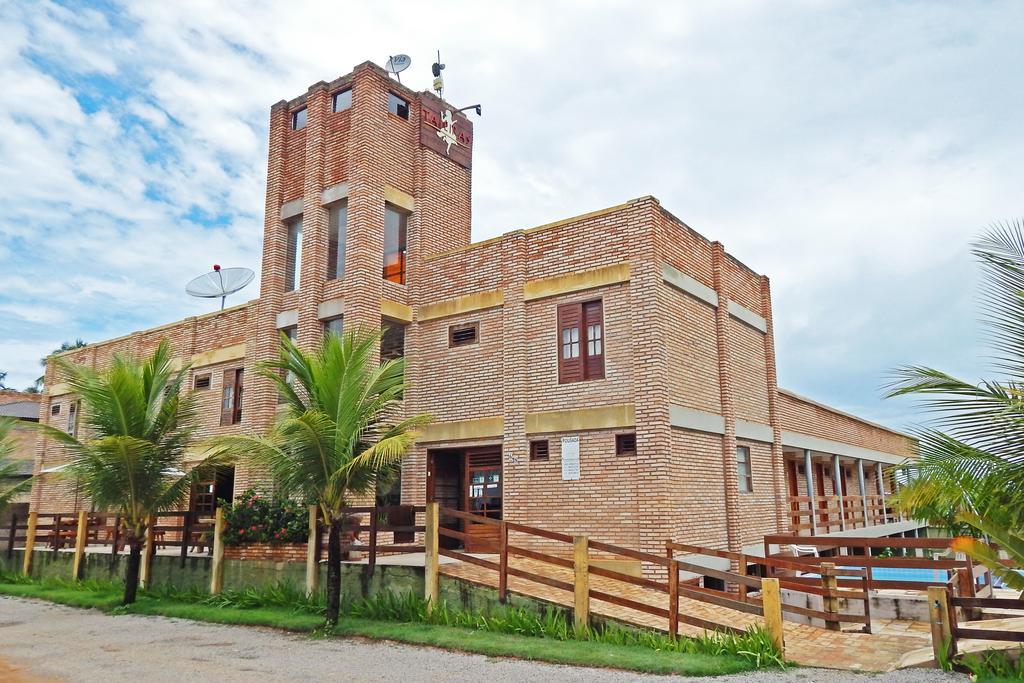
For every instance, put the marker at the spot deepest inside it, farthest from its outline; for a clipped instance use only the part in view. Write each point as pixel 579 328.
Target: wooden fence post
pixel 771 603
pixel 741 569
pixel 55 534
pixel 943 645
pixel 830 601
pixel 217 568
pixel 673 598
pixel 80 533
pixel 30 543
pixel 10 539
pixel 581 582
pixel 371 559
pixel 115 541
pixel 147 554
pixel 431 559
pixel 503 562
pixel 312 561
pixel 186 535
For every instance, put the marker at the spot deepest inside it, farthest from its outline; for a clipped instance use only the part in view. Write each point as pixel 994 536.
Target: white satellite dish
pixel 397 64
pixel 220 282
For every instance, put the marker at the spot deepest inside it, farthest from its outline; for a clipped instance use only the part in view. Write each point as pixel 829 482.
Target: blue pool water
pixel 899 574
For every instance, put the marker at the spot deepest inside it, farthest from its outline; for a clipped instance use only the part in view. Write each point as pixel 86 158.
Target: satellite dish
pixel 220 282
pixel 397 64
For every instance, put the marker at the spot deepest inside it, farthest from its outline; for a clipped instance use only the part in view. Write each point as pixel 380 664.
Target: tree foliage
pixel 970 468
pixel 340 429
pixel 136 424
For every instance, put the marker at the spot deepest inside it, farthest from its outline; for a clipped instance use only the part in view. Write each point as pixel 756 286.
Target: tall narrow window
pixel 337 231
pixel 231 398
pixel 292 332
pixel 341 100
pixel 293 255
pixel 398 106
pixel 334 325
pixel 299 118
pixel 392 344
pixel 395 226
pixel 73 418
pixel 744 473
pixel 580 342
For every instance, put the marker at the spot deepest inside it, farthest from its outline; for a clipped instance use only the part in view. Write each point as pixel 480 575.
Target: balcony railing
pixel 825 514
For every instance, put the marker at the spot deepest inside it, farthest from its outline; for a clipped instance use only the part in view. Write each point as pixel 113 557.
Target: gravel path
pixel 41 641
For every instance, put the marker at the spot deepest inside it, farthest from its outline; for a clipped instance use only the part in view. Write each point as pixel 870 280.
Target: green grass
pixel 575 652
pixel 503 632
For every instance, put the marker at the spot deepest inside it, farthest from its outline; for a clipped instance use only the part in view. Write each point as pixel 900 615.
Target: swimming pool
pixel 897 574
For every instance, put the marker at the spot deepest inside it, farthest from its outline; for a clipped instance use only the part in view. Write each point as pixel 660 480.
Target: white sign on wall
pixel 570 458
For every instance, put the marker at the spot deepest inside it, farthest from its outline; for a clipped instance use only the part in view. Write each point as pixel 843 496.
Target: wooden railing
pixel 947 609
pixel 378 542
pixel 580 554
pixel 59 530
pixel 827 585
pixel 823 514
pixel 854 552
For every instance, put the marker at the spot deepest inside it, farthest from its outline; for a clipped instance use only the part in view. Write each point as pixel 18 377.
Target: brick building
pixel 611 373
pixel 23 408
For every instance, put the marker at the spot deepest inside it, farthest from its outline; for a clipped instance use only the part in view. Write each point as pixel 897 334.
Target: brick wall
pixel 663 347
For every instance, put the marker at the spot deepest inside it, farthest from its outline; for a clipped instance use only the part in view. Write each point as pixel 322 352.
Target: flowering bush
pixel 258 518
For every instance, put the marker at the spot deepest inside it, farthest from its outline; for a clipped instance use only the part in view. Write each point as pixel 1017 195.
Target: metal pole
pixel 863 491
pixel 880 476
pixel 837 483
pixel 810 492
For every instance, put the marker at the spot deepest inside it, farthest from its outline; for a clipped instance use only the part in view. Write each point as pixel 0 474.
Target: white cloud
pixel 849 150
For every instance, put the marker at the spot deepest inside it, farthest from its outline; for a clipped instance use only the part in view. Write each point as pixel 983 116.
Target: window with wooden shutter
pixel 539 450
pixel 581 341
pixel 593 324
pixel 202 382
pixel 462 335
pixel 625 444
pixel 744 473
pixel 231 397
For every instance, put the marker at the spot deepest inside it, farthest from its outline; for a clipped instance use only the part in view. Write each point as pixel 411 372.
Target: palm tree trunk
pixel 334 571
pixel 131 576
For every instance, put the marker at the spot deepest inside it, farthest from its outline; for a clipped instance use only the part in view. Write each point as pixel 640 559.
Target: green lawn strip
pixel 273 617
pixel 578 653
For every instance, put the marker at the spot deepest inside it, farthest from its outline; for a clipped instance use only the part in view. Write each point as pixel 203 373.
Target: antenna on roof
pixel 219 282
pixel 436 68
pixel 397 64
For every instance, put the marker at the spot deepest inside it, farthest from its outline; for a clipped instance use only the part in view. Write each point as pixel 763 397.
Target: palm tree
pixel 338 433
pixel 138 423
pixel 971 465
pixel 64 346
pixel 10 469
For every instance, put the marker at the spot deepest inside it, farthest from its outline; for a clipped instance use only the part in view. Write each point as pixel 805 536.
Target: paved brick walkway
pixel 882 650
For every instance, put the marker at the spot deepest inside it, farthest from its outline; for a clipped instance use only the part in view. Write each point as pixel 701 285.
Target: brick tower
pixel 365 178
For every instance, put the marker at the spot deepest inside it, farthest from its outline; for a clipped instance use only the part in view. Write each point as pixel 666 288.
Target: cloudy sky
pixel 850 150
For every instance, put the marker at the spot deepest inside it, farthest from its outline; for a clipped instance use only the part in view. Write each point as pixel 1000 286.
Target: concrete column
pixel 863 492
pixel 880 476
pixel 809 469
pixel 837 483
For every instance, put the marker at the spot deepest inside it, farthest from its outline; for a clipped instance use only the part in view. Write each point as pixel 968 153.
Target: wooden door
pixel 444 487
pixel 483 496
